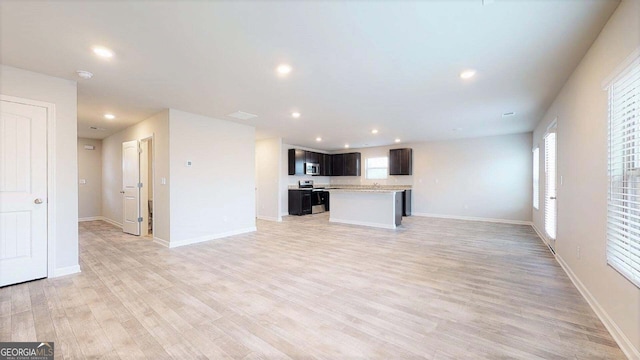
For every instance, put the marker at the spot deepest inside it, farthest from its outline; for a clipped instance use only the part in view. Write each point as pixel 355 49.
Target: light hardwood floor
pixel 304 288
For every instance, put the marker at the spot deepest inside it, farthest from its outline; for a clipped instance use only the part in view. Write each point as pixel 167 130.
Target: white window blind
pixel 623 215
pixel 536 178
pixel 550 185
pixel 377 168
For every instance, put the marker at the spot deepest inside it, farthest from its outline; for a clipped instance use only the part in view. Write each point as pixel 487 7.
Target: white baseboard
pixel 162 242
pixel 470 218
pixel 623 341
pixel 67 270
pixel 199 239
pixel 269 218
pixel 362 223
pixel 284 214
pixel 112 222
pixel 540 234
pixel 90 218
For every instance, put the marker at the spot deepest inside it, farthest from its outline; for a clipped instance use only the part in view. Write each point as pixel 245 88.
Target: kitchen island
pixel 380 208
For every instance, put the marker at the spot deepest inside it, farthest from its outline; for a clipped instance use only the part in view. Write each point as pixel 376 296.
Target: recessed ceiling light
pixel 109 116
pixel 84 74
pixel 346 146
pixel 318 138
pixel 397 140
pixel 468 74
pixel 507 114
pixel 284 69
pixel 103 52
pixel 374 131
pixel 295 115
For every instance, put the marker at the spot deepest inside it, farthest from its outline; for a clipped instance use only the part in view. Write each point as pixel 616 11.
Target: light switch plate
pixel 83 181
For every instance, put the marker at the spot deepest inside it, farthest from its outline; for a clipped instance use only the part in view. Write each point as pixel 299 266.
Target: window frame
pixel 369 167
pixel 536 178
pixel 623 172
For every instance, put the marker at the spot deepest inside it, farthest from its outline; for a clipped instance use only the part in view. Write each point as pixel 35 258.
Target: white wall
pixel 268 169
pixel 89 170
pixel 214 197
pixel 487 177
pixel 158 126
pixel 581 110
pixel 62 93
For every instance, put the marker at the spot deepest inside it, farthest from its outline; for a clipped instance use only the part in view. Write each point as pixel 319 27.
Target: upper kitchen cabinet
pixel 297 158
pixel 313 157
pixel 400 161
pixel 337 165
pixel 325 165
pixel 352 164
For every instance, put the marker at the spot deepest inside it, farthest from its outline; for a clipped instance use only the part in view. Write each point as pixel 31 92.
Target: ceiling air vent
pixel 97 128
pixel 241 115
pixel 508 114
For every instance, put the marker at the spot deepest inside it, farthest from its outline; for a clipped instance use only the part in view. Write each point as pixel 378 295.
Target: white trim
pixel 540 235
pixel 623 341
pixel 162 242
pixel 199 239
pixel 621 69
pixel 471 218
pixel 67 270
pixel 112 222
pixel 51 175
pixel 269 218
pixel 90 218
pixel 362 223
pixel 284 214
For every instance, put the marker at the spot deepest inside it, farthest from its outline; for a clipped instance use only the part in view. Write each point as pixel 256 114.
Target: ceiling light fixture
pixel 374 131
pixel 109 116
pixel 103 52
pixel 467 74
pixel 284 69
pixel 84 74
pixel 397 140
pixel 295 115
pixel 318 138
pixel 346 146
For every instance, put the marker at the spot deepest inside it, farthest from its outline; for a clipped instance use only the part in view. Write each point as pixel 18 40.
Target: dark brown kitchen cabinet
pixel 300 202
pixel 313 157
pixel 400 161
pixel 337 165
pixel 325 165
pixel 352 164
pixel 297 158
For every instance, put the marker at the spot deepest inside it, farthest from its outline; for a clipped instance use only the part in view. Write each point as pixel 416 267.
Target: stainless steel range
pixel 318 196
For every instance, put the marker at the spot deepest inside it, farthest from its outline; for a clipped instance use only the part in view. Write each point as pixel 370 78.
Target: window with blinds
pixel 623 215
pixel 377 168
pixel 550 207
pixel 536 178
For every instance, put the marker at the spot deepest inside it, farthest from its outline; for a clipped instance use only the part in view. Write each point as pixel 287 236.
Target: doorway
pixel 146 193
pixel 550 192
pixel 24 195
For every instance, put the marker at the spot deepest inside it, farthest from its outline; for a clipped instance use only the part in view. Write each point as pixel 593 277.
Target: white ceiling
pixel 388 65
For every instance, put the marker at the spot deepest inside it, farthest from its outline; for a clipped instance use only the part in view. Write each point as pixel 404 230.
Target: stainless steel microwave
pixel 312 169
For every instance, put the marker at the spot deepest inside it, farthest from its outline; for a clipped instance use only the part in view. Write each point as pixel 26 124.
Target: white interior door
pixel 23 192
pixel 550 193
pixel 131 187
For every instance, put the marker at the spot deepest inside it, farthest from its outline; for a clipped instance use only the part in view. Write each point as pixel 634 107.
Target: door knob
pixel 552 197
pixel 38 201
